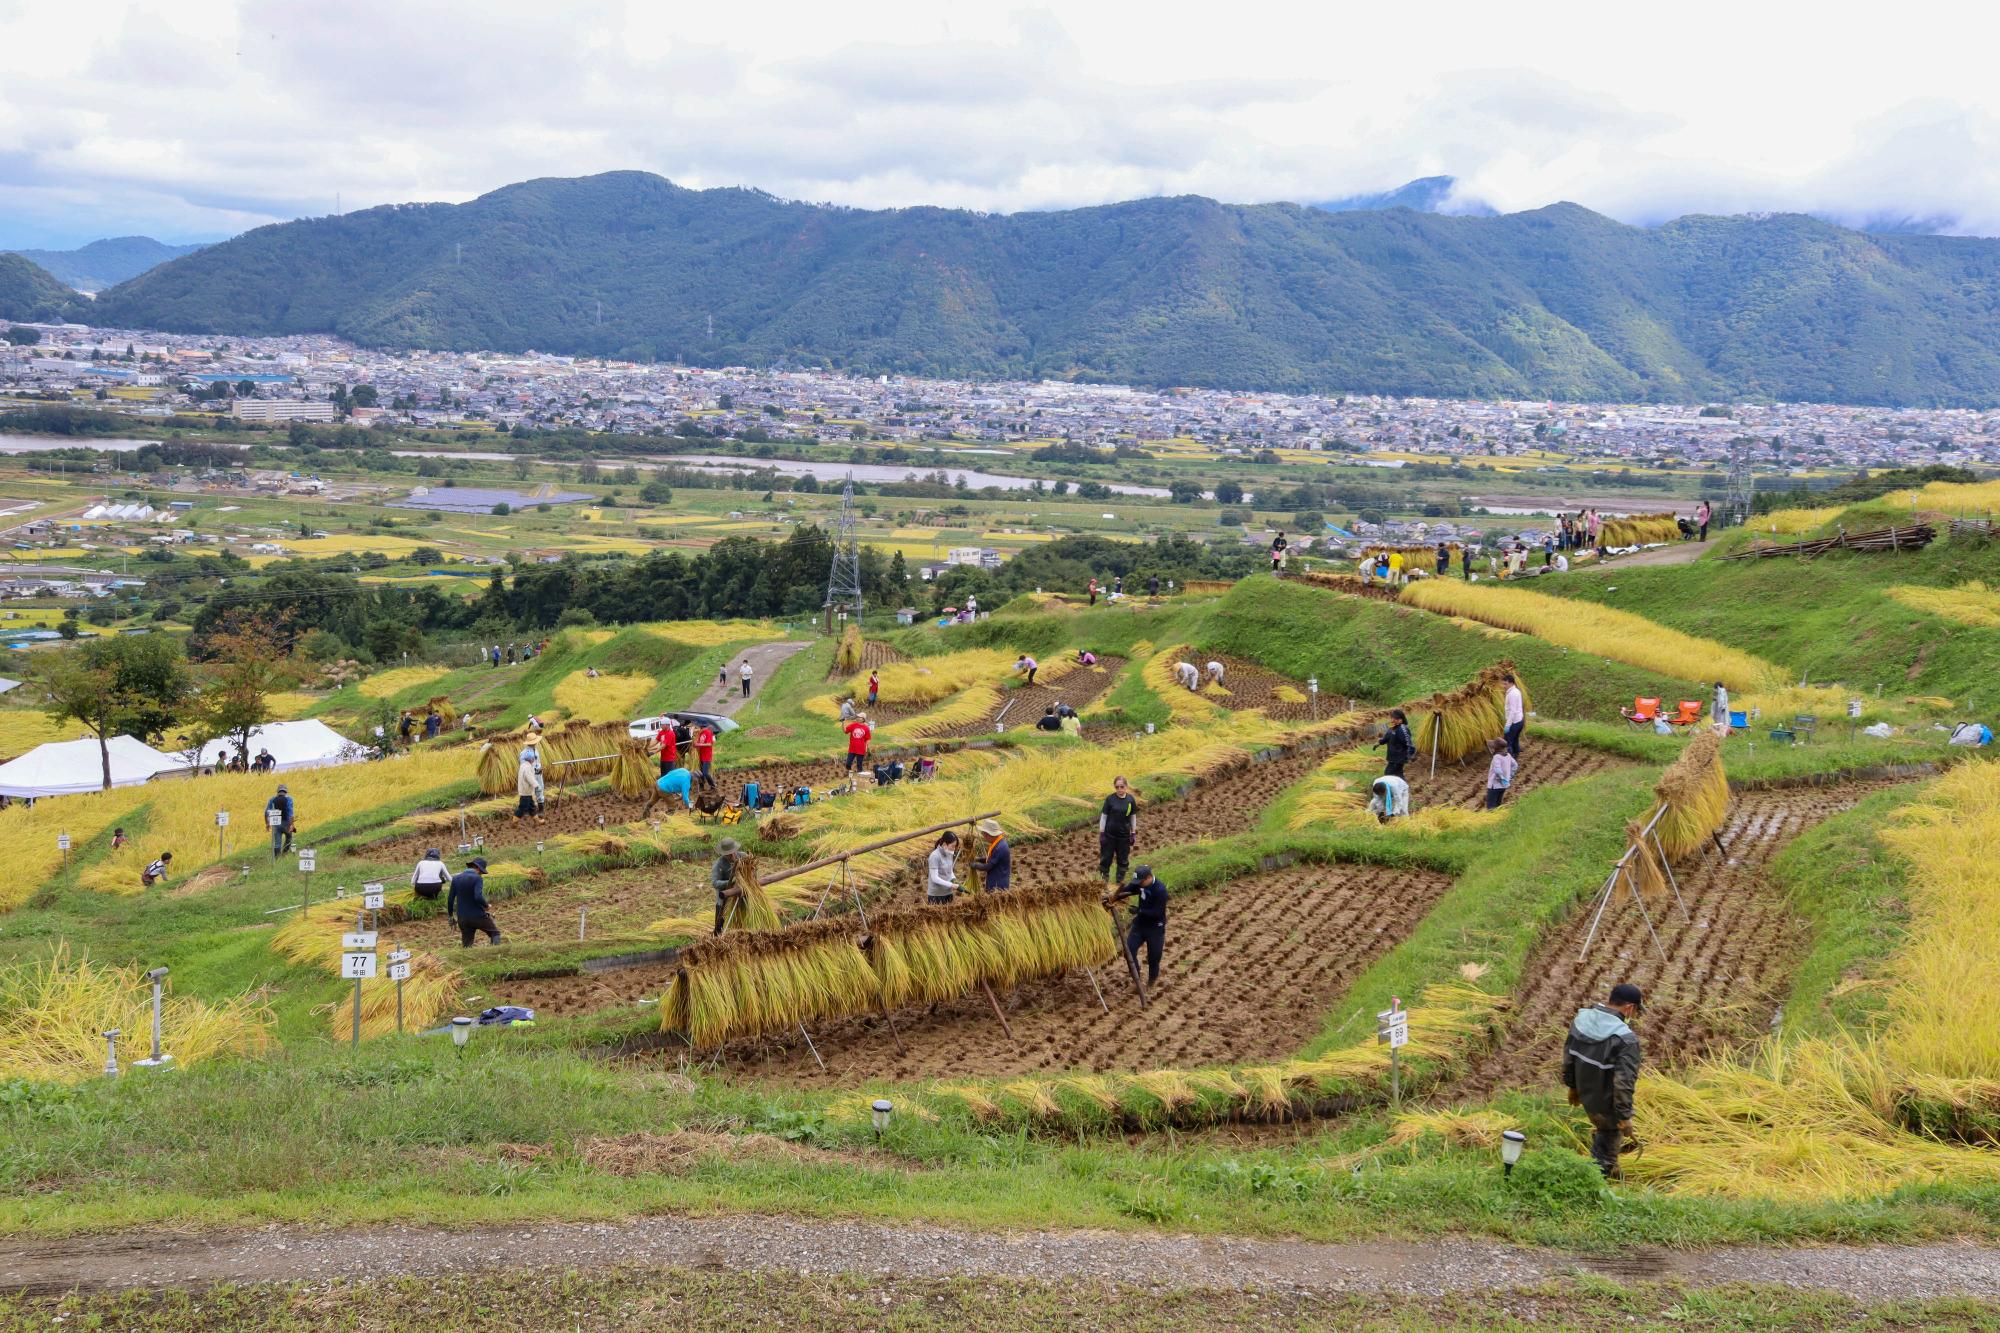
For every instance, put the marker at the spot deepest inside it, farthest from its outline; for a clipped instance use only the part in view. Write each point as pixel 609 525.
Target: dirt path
pixel 727 698
pixel 1679 553
pixel 154 1258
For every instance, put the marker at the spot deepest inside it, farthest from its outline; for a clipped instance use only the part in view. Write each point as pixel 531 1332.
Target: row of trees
pixel 143 686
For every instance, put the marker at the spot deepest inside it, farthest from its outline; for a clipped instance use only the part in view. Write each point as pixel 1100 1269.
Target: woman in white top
pixel 1721 708
pixel 941 883
pixel 1215 672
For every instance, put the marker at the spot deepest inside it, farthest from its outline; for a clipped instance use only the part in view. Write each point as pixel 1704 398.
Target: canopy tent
pixel 305 744
pixel 69 768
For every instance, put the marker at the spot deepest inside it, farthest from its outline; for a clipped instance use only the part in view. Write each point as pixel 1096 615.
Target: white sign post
pixel 1392 1029
pixel 62 845
pixel 371 901
pixel 307 864
pixel 359 965
pixel 221 823
pixel 399 972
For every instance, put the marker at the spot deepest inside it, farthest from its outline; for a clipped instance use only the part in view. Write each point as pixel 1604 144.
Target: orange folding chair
pixel 1687 715
pixel 1642 712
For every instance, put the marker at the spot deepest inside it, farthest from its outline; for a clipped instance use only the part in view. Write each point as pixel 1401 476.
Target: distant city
pixel 323 379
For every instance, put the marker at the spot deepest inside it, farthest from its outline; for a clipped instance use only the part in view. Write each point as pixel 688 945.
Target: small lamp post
pixel 111 1053
pixel 159 1058
pixel 1512 1141
pixel 461 1032
pixel 879 1113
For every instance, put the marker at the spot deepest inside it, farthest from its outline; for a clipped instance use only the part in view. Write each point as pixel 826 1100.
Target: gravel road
pixel 820 1248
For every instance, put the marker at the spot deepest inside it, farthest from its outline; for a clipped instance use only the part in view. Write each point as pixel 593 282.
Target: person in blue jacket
pixel 997 864
pixel 1601 1070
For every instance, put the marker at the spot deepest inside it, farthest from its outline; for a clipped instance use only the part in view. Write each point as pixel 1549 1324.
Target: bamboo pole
pixel 875 846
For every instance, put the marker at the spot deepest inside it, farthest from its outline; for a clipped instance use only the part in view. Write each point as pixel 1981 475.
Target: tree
pixel 657 492
pixel 522 467
pixel 246 388
pixel 245 668
pixel 364 395
pixel 1228 493
pixel 136 685
pixel 503 509
pixel 1185 492
pixel 21 337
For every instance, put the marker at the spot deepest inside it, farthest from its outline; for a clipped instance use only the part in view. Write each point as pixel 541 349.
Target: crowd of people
pixel 1389 794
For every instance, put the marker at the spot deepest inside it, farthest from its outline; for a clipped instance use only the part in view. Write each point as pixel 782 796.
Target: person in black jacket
pixel 1149 920
pixel 1400 746
pixel 465 903
pixel 1601 1070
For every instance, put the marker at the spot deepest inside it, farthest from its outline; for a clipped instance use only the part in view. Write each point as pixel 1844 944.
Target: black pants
pixel 746 687
pixel 855 762
pixel 1495 795
pixel 468 926
pixel 1513 735
pixel 1113 847
pixel 1393 767
pixel 1152 934
pixel 1031 674
pixel 667 765
pixel 1704 532
pixel 721 912
pixel 1604 1142
pixel 525 807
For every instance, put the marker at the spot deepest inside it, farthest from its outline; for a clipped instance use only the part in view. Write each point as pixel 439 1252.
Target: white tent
pixel 305 744
pixel 68 768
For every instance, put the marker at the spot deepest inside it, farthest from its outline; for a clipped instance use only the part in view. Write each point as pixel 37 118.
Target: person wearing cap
pixel 281 829
pixel 996 865
pixel 1601 1070
pixel 722 877
pixel 1149 920
pixel 859 733
pixel 430 876
pixel 466 905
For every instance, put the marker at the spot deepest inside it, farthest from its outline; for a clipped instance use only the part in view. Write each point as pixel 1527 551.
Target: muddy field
pixel 1026 705
pixel 566 997
pixel 1250 969
pixel 1725 969
pixel 874 656
pixel 616 902
pixel 1253 686
pixel 1543 763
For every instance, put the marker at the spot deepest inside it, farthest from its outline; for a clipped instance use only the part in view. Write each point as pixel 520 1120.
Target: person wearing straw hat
pixel 722 877
pixel 996 865
pixel 1601 1070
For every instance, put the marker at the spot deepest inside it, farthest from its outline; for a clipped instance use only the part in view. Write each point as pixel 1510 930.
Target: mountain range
pixel 28 292
pixel 1559 302
pixel 105 263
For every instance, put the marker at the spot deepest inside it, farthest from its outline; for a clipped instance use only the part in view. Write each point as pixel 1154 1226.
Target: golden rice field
pixel 1182 703
pixel 1971 603
pixel 1963 500
pixel 1792 522
pixel 287 705
pixel 1602 630
pixel 923 681
pixel 22 730
pixel 607 698
pixel 180 817
pixel 52 1010
pixel 711 633
pixel 388 684
pixel 1815 1120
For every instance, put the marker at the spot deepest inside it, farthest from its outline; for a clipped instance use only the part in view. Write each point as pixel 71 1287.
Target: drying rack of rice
pixel 1639 530
pixel 1350 584
pixel 1693 796
pixel 758 983
pixel 571 752
pixel 1459 722
pixel 1428 554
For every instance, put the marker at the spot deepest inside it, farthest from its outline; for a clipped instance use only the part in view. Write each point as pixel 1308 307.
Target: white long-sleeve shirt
pixel 1515 711
pixel 943 877
pixel 430 870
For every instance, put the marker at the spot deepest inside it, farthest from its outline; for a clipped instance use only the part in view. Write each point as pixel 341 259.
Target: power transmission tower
pixel 843 582
pixel 1742 488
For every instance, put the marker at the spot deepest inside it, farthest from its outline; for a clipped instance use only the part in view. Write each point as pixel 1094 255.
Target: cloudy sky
pixel 198 118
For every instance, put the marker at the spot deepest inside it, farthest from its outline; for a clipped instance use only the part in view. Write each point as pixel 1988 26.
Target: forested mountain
pixel 1426 194
pixel 29 293
pixel 1559 303
pixel 105 263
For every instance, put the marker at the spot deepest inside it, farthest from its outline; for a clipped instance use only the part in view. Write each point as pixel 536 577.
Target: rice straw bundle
pixel 598 744
pixel 759 906
pixel 1461 721
pixel 750 983
pixel 847 657
pixel 447 715
pixel 1639 530
pixel 633 772
pixel 52 1010
pixel 1695 790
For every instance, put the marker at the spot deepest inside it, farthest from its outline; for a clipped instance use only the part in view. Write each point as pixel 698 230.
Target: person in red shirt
pixel 858 735
pixel 704 753
pixel 874 688
pixel 670 749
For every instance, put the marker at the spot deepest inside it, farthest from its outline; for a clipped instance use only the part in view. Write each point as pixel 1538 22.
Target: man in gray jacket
pixel 1601 1071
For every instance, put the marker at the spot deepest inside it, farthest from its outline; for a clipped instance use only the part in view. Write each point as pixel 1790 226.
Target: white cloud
pixel 200 117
